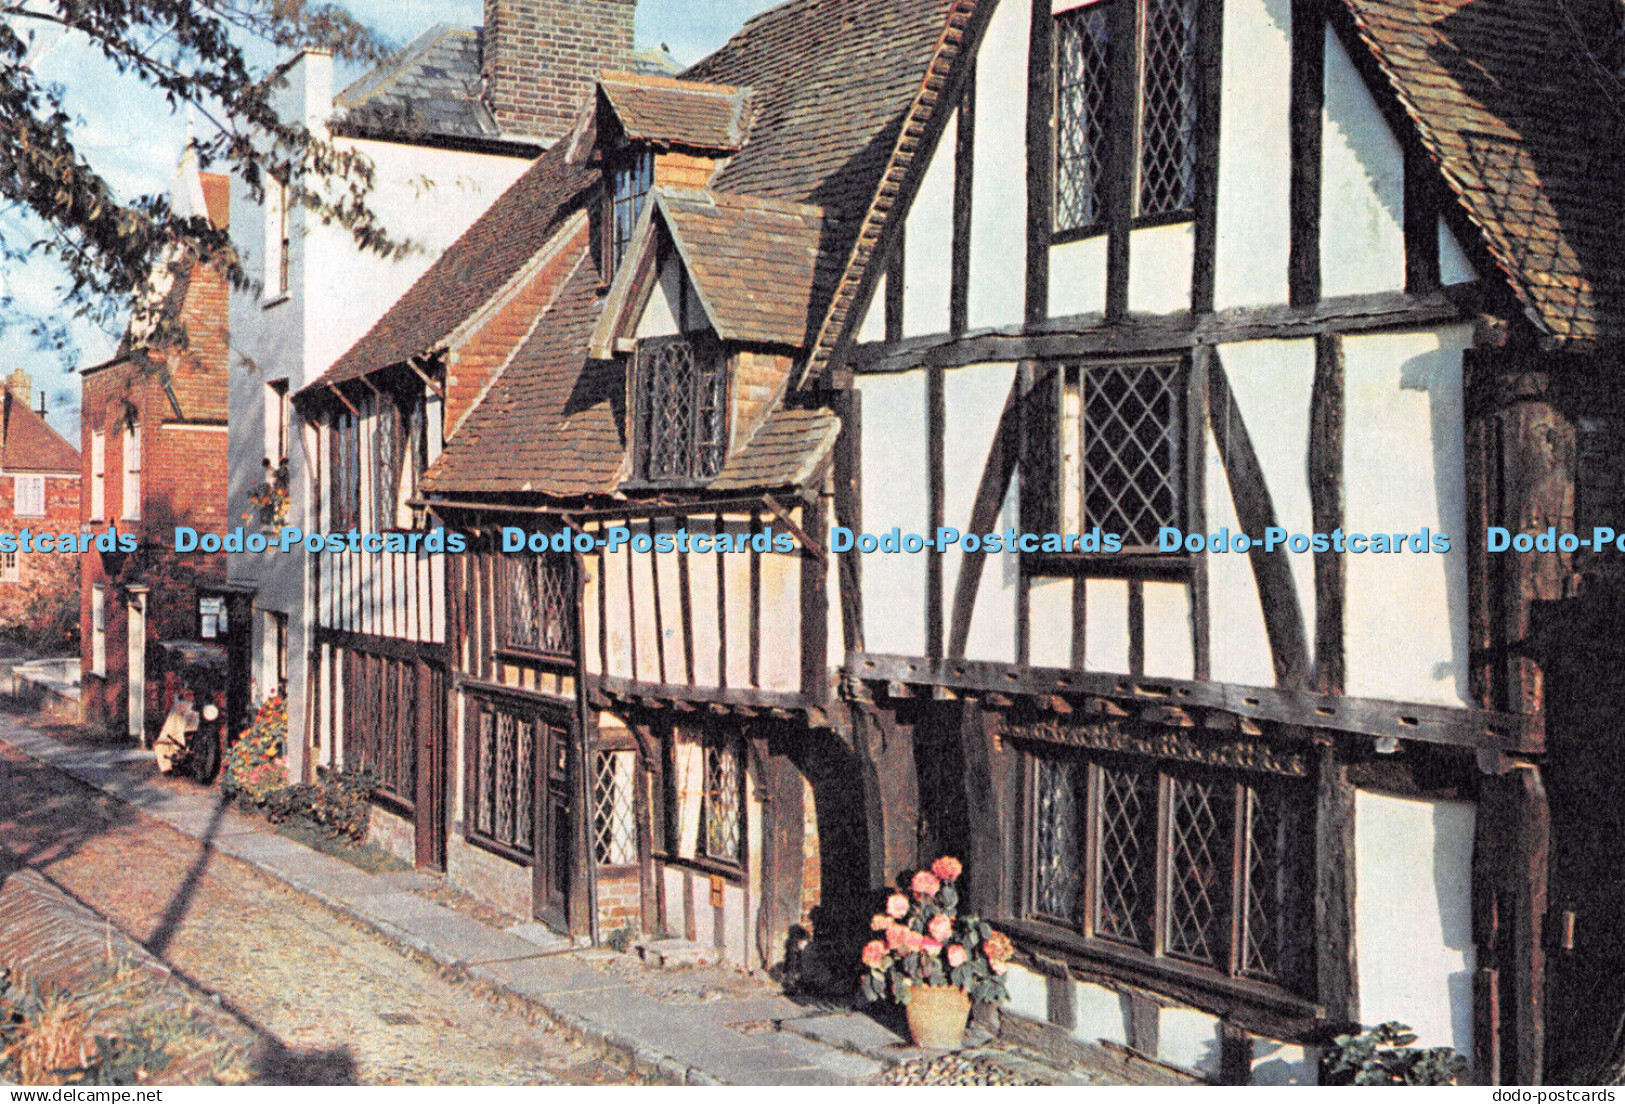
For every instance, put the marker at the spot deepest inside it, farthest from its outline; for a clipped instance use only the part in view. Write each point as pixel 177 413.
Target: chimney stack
pixel 542 57
pixel 21 386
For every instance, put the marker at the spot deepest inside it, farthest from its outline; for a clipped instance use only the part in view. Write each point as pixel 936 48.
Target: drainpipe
pixel 584 795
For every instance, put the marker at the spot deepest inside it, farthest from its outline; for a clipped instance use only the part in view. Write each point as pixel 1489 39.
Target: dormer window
pixel 631 176
pixel 682 425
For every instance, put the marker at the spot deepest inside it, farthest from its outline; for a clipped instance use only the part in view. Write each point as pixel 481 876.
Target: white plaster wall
pixel 1454 267
pixel 1077 277
pixel 1105 634
pixel 1413 916
pixel 659 318
pixel 1406 630
pixel 895 475
pixel 1255 156
pixel 1362 212
pixel 1170 649
pixel 973 402
pixel 1159 271
pixel 998 259
pixel 928 260
pixel 873 327
pixel 1029 993
pixel 1102 1015
pixel 1049 623
pixel 1240 649
pixel 1189 1039
pixel 1278 1063
pixel 1273 383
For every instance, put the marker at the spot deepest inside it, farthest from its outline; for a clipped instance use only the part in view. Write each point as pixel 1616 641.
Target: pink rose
pixel 947 868
pixel 897 906
pixel 956 956
pixel 913 941
pixel 874 954
pixel 930 946
pixel 880 922
pixel 999 967
pixel 941 927
pixel 925 884
pixel 896 937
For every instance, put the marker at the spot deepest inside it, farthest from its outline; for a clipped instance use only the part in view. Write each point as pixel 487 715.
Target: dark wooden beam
pixel 1272 570
pixel 936 492
pixel 1197 420
pixel 1210 79
pixel 1040 159
pixel 964 192
pixel 1422 208
pixel 654 695
pixel 1120 173
pixel 1308 92
pixel 1326 507
pixel 849 512
pixel 1431 724
pixel 1336 982
pixel 897 284
pixel 815 610
pixel 1092 335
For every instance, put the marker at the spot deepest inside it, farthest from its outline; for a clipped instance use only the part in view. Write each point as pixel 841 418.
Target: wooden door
pixel 429 804
pixel 553 825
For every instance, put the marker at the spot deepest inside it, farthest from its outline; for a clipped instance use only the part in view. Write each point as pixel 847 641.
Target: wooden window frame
pixel 1044 508
pixel 1112 172
pixel 32 481
pixel 634 165
pixel 508 603
pixel 98 475
pixel 522 709
pixel 130 463
pixel 11 567
pixel 1150 961
pixel 389 675
pixel 344 460
pixel 667 838
pixel 710 371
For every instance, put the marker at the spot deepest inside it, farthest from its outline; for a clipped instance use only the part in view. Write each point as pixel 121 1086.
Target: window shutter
pixel 1041 451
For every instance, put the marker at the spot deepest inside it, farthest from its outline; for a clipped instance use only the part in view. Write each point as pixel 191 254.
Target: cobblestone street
pixel 335 1004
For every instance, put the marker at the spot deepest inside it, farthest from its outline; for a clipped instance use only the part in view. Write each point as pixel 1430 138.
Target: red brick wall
pixel 542 57
pixel 40 573
pixel 183 483
pixel 620 899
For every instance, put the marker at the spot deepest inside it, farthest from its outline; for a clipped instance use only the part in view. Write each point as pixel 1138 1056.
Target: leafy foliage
pixel 49 623
pixel 268 501
pixel 1383 1055
pixel 339 804
pixel 196 54
pixel 925 941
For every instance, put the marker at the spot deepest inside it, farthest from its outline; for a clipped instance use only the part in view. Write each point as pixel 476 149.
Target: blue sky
pixel 134 139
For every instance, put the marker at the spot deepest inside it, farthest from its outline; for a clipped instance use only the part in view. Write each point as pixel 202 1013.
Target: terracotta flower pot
pixel 937 1015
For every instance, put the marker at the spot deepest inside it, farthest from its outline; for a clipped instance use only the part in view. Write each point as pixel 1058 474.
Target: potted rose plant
pixel 933 961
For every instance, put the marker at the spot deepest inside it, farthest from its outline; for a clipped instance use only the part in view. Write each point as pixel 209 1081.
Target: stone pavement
pixel 710 1035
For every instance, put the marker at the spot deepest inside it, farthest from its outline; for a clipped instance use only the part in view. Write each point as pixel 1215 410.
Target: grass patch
pixel 364 856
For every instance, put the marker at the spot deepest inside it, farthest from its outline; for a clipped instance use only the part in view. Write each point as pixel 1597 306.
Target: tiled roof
pixel 785 452
pixel 753 261
pixel 28 444
pixel 668 112
pixel 430 89
pixel 1511 102
pixel 552 424
pixel 477 266
pixel 830 85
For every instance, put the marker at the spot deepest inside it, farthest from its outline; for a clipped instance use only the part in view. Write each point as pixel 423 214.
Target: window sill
pixel 1170 218
pixel 1082 233
pixel 500 850
pixel 526 655
pixel 1204 988
pixel 1117 565
pixel 276 300
pixel 731 872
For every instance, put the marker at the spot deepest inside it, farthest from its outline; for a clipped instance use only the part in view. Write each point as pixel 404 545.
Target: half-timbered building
pixel 972 273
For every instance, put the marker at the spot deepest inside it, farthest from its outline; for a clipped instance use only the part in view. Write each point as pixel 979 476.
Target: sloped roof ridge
pixel 379 76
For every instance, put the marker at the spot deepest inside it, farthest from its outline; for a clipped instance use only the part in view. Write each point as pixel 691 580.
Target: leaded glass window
pixel 683 422
pixel 1168 106
pixel 724 800
pixel 537 604
pixel 1122 449
pixel 615 836
pixel 1083 111
pixel 629 184
pixel 1170 861
pixel 501 795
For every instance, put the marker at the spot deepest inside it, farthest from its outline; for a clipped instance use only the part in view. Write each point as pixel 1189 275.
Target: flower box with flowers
pixel 924 947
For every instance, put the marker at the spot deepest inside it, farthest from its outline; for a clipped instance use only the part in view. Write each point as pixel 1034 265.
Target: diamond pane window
pixel 1058 861
pixel 1132 430
pixel 1198 867
pixel 1082 69
pixel 537 605
pixel 501 774
pixel 615 839
pixel 1168 120
pixel 723 801
pixel 1203 865
pixel 1128 808
pixel 684 424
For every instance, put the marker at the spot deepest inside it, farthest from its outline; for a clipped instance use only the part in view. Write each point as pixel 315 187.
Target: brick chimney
pixel 20 385
pixel 542 57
